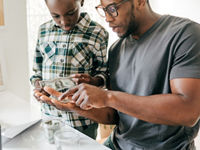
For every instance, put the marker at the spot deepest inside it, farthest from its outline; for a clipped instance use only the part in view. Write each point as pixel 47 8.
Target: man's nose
pixel 109 18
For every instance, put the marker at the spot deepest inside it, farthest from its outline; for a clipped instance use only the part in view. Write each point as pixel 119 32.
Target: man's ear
pixel 141 2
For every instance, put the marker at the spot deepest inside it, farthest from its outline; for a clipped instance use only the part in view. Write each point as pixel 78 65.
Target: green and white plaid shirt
pixel 60 53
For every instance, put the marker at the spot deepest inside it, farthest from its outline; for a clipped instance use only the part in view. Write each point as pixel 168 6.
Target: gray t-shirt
pixel 169 49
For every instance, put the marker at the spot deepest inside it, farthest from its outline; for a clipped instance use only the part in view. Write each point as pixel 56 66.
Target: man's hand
pixel 51 101
pixel 87 96
pixel 108 115
pixel 86 78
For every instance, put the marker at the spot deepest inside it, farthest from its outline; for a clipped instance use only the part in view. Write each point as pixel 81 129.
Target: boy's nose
pixel 64 21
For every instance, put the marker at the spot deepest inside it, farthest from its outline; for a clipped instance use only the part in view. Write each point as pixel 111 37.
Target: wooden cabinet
pixel 1 13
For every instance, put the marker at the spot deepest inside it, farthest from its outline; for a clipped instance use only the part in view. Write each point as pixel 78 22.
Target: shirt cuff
pixel 104 80
pixel 33 80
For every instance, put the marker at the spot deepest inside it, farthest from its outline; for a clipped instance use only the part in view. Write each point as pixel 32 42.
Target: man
pixel 154 77
pixel 70 44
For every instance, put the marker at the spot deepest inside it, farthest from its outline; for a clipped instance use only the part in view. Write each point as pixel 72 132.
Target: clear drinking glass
pixel 66 138
pixel 50 127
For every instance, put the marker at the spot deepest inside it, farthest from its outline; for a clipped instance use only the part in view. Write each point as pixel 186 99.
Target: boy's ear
pixel 82 2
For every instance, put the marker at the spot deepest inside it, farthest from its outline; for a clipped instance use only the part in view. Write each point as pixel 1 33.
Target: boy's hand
pixel 86 78
pixel 37 85
pixel 40 89
pixel 54 102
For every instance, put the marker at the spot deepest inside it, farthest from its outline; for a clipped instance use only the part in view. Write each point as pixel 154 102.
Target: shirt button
pixel 60 75
pixel 61 60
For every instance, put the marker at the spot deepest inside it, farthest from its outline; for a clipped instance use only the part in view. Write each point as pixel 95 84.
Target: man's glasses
pixel 111 9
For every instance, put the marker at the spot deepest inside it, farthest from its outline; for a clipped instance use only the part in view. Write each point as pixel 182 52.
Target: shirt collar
pixel 82 25
pixel 84 22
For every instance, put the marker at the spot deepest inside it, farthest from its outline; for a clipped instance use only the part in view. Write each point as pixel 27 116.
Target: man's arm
pixel 100 115
pixel 181 107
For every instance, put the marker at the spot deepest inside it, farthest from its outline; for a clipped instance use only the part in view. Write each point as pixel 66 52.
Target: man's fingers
pixel 85 106
pixel 61 106
pixel 52 91
pixel 68 93
pixel 78 100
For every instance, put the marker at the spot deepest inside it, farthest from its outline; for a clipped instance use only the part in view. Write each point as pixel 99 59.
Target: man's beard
pixel 132 27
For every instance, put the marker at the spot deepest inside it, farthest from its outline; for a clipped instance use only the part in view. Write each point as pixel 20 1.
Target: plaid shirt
pixel 60 53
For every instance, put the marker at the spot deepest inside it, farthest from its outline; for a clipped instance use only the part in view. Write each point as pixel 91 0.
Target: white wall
pixel 13 39
pixel 182 8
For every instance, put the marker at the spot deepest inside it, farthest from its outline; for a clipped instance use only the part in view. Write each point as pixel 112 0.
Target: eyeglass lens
pixel 111 10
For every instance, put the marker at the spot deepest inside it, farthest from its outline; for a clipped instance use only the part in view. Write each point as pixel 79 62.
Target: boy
pixel 70 44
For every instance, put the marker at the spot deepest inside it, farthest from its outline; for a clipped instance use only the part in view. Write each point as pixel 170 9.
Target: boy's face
pixel 65 13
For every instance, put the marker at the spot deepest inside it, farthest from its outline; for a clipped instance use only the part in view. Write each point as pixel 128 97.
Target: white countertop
pixel 15 111
pixel 34 139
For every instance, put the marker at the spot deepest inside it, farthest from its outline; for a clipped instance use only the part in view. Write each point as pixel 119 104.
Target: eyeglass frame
pixel 105 9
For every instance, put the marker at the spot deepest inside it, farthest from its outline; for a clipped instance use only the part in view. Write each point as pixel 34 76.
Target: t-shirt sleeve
pixel 186 54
